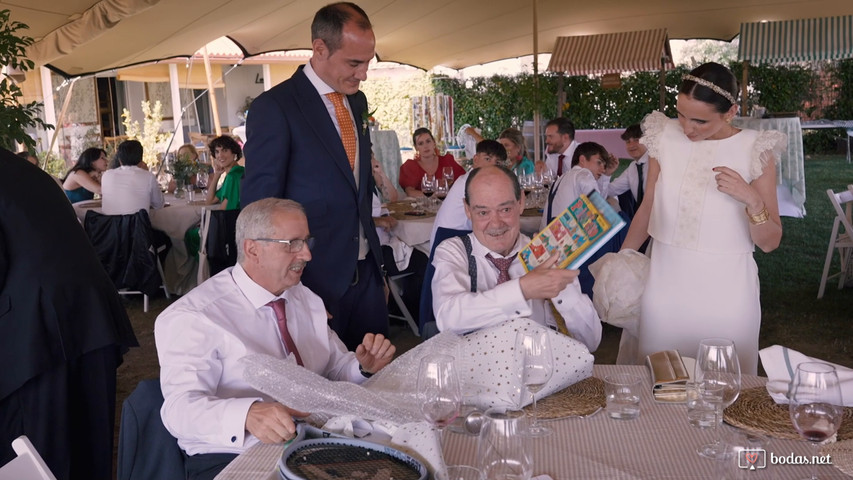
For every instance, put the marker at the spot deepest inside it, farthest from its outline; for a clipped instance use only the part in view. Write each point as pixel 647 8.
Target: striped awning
pixel 829 38
pixel 611 53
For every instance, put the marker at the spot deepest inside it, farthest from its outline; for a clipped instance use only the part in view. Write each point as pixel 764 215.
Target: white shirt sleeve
pixel 580 316
pixel 622 183
pixel 157 200
pixel 459 310
pixel 194 409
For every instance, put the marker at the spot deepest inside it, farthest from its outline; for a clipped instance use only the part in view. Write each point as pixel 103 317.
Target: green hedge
pixel 500 101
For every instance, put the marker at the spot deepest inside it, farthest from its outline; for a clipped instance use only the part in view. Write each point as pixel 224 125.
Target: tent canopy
pixel 78 37
pixel 801 40
pixel 611 53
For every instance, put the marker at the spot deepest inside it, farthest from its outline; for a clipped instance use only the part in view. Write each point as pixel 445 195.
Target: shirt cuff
pixel 234 423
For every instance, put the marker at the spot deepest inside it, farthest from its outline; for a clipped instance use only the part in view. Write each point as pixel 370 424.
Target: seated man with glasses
pixel 257 306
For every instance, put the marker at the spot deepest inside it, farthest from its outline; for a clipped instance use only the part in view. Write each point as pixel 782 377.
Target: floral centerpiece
pixel 182 168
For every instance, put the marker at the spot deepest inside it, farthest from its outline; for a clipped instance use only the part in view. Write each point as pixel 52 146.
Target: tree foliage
pixel 16 118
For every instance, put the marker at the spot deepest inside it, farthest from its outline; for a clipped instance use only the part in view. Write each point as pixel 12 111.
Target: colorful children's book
pixel 581 230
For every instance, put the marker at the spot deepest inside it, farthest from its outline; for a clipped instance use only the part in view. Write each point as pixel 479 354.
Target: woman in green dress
pixel 226 152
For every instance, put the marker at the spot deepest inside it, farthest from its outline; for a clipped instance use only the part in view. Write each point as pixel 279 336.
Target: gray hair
pixel 255 220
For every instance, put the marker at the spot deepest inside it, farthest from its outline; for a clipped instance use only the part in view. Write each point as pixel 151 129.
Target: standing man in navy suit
pixel 307 142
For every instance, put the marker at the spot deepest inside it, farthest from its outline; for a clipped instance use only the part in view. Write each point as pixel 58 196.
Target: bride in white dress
pixel 710 199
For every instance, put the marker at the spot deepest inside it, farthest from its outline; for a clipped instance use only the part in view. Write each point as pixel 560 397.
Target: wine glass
pixel 447 172
pixel 441 188
pixel 814 404
pixel 428 187
pixel 717 377
pixel 439 392
pixel 536 364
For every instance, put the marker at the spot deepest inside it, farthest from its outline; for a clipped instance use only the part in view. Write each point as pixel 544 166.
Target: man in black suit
pixel 307 141
pixel 62 329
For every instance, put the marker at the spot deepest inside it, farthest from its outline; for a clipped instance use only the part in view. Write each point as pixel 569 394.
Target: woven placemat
pixel 582 398
pixel 755 411
pixel 842 455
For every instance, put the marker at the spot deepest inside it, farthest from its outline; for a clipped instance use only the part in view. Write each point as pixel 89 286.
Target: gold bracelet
pixel 759 218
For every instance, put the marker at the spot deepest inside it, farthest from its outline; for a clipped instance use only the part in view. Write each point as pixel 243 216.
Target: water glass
pixel 622 394
pixel 463 472
pixel 700 411
pixel 503 451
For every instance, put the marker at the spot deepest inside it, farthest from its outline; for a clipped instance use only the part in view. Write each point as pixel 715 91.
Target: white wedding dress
pixel 703 280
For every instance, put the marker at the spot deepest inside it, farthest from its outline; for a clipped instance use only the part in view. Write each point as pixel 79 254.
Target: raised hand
pixel 546 281
pixel 375 352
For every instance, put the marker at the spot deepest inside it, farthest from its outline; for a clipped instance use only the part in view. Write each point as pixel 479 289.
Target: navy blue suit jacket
pixel 294 151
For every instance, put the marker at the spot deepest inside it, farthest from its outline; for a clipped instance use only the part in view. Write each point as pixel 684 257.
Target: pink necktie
pixel 502 264
pixel 345 122
pixel 281 317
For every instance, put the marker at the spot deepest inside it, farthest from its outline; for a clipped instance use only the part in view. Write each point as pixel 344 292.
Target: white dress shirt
pixel 128 189
pixel 323 88
pixel 459 310
pixel 629 178
pixel 552 160
pixel 202 337
pixel 451 213
pixel 569 187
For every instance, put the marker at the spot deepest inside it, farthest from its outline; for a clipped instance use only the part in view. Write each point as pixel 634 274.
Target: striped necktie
pixel 345 122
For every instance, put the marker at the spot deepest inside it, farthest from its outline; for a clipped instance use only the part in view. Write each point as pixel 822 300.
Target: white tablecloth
pixel 657 445
pixel 790 172
pixel 386 147
pixel 179 268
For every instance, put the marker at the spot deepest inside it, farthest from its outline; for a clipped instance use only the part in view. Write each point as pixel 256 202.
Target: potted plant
pixel 182 168
pixel 15 117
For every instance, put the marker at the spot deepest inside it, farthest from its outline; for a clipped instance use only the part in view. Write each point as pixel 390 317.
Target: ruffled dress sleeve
pixel 770 141
pixel 653 126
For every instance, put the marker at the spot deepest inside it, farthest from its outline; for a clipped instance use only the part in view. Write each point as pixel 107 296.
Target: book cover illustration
pixel 578 232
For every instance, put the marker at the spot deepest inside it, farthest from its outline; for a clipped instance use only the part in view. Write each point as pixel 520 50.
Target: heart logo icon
pixel 751 457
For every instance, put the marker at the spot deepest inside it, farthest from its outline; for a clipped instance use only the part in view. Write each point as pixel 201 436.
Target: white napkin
pixel 780 363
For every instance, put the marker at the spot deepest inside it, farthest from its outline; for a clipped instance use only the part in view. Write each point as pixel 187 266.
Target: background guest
pixel 560 144
pixel 630 185
pixel 83 181
pixel 128 188
pixel 226 153
pixel 516 152
pixel 428 161
pixel 189 152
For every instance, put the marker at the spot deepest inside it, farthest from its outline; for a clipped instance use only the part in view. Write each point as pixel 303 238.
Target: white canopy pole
pixel 177 111
pixel 211 92
pixel 536 130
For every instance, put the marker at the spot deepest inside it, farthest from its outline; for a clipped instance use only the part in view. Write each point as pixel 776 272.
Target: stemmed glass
pixel 439 392
pixel 536 364
pixel 428 184
pixel 814 404
pixel 441 188
pixel 447 172
pixel 717 376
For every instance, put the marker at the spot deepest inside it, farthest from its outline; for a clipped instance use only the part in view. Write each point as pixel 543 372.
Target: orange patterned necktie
pixel 345 122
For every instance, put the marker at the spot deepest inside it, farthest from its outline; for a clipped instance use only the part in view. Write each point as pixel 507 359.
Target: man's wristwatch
pixel 364 372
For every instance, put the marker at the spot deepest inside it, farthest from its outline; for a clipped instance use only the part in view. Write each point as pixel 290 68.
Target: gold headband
pixel 705 83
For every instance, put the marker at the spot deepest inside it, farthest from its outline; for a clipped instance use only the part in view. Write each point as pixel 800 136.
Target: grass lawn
pixel 790 275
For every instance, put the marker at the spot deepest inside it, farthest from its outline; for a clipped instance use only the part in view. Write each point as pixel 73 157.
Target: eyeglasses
pixel 293 246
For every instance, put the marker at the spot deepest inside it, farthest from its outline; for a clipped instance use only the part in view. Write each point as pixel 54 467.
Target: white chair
pixel 28 465
pixel 841 237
